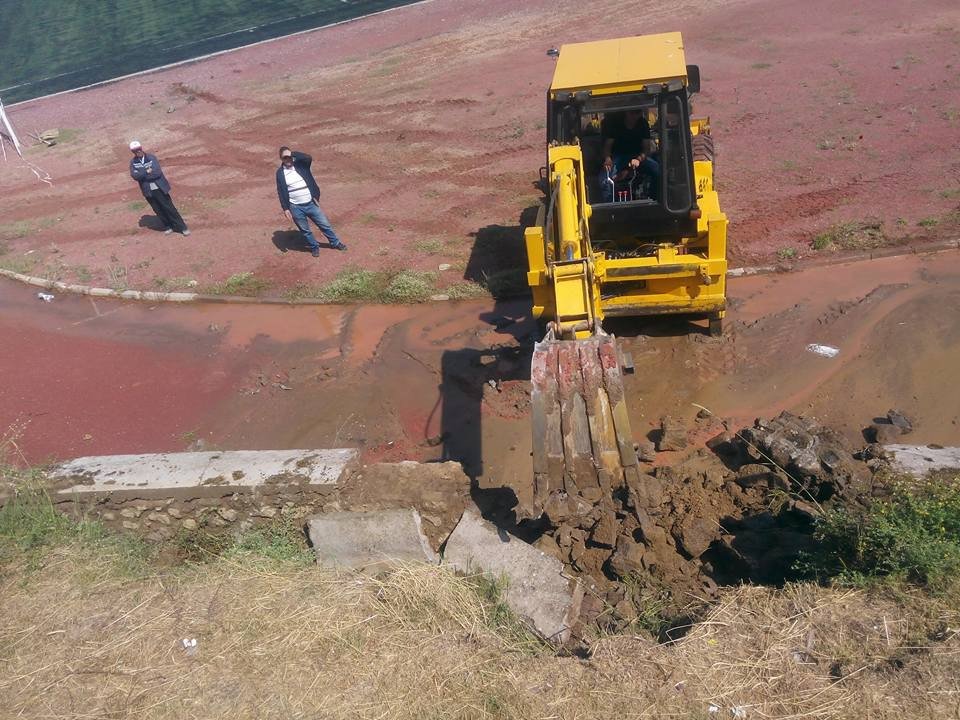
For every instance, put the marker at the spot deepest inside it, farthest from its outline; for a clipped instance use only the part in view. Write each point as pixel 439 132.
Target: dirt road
pixel 427 125
pixel 450 381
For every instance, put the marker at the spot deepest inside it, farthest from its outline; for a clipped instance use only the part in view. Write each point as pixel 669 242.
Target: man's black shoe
pixel 315 252
pixel 341 246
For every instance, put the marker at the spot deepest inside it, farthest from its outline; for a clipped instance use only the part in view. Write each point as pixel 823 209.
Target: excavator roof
pixel 622 64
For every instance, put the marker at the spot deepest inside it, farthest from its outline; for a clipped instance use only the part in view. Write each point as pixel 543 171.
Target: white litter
pixel 712 709
pixel 46 297
pixel 824 350
pixel 738 711
pixel 189 645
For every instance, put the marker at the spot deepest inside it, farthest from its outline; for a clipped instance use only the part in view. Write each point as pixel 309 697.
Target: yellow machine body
pixel 576 283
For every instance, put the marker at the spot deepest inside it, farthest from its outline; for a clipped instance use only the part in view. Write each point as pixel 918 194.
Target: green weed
pixel 912 535
pixel 428 246
pixel 355 285
pixel 24 264
pixel 30 526
pixel 507 283
pixel 464 290
pixel 409 286
pixel 787 253
pixel 242 284
pixel 761 65
pixel 928 222
pixel 853 235
pixel 173 284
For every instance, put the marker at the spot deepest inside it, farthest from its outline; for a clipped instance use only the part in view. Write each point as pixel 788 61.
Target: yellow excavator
pixel 631 226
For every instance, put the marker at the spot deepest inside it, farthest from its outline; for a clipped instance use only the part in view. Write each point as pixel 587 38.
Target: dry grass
pixel 80 638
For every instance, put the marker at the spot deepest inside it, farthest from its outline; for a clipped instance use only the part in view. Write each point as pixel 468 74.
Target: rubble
pixel 537 589
pixel 369 540
pixel 712 518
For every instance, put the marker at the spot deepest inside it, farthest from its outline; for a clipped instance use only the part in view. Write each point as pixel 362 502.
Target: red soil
pixel 426 124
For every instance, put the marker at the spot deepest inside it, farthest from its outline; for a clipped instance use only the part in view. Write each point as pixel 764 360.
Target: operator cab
pixel 654 197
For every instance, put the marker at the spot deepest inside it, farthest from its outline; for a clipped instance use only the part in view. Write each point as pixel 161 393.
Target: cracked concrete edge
pixel 181 297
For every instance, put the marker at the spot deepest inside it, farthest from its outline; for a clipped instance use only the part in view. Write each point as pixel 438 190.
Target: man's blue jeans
pixel 311 210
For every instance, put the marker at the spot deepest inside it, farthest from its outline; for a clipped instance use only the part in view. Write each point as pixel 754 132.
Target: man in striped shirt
pixel 299 193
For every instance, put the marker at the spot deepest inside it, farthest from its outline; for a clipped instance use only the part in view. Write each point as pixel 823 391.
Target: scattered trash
pixel 46 297
pixel 738 711
pixel 284 387
pixel 553 52
pixel 824 350
pixel 444 266
pixel 713 709
pixel 192 283
pixel 88 437
pixel 189 645
pixel 680 686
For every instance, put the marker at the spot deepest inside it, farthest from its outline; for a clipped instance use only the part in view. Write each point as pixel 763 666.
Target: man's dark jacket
pixel 301 163
pixel 147 170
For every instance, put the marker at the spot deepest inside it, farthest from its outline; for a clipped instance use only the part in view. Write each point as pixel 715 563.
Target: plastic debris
pixel 46 297
pixel 189 645
pixel 713 709
pixel 738 711
pixel 824 350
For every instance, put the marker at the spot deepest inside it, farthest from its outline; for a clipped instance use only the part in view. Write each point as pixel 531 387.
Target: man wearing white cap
pixel 145 169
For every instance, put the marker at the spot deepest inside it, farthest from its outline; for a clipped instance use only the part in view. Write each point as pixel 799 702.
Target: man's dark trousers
pixel 162 205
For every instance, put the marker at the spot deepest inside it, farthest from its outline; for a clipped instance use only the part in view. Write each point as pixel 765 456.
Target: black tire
pixel 703 148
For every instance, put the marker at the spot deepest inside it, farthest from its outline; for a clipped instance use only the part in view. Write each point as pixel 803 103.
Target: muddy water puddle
pixel 449 380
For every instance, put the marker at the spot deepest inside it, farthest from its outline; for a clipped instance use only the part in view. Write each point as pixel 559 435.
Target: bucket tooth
pixel 581 433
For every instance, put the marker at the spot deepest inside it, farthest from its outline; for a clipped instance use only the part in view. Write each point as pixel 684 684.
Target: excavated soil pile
pixel 743 512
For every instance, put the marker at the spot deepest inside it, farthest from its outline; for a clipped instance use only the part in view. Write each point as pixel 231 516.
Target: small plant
pixel 913 535
pixel 355 285
pixel 409 286
pixel 243 284
pixel 173 284
pixel 15 230
pixel 23 264
pixel 950 193
pixel 851 236
pixel 137 205
pixel 928 222
pixel 464 290
pixel 117 277
pixel 787 253
pixel 82 274
pixel 761 65
pixel 352 286
pixel 826 144
pixel 428 246
pixel 507 283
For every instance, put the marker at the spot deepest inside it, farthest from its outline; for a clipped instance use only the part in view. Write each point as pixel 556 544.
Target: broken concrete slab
pixel 537 589
pixel 919 460
pixel 369 540
pixel 176 471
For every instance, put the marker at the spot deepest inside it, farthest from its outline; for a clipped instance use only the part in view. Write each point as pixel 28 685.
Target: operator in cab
pixel 627 145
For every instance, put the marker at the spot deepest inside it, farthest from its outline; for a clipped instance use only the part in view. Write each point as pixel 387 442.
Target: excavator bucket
pixel 582 443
